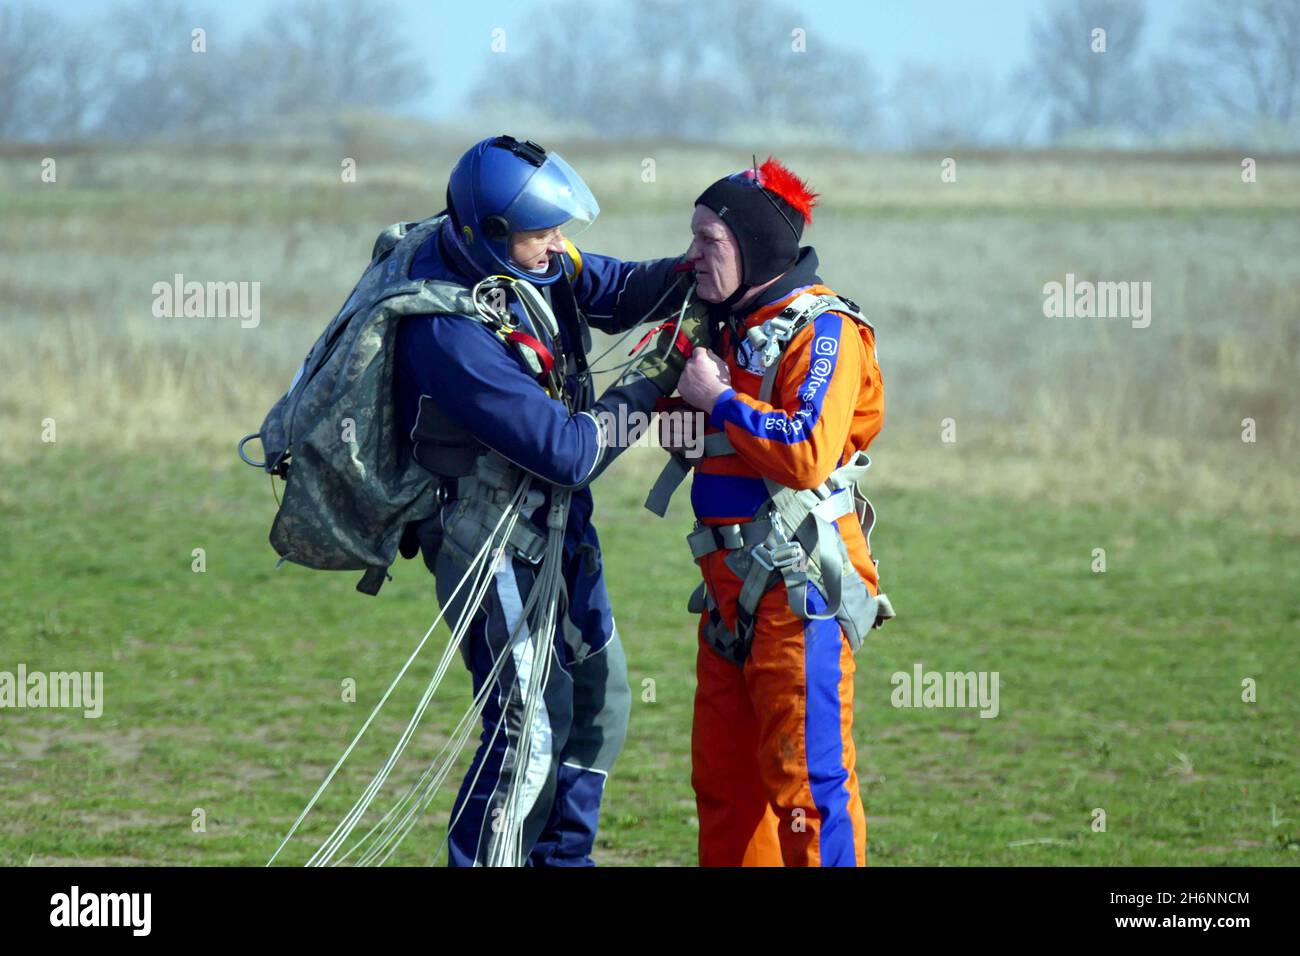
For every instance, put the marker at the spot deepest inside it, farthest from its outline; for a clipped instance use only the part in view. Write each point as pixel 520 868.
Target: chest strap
pixel 794 539
pixel 769 340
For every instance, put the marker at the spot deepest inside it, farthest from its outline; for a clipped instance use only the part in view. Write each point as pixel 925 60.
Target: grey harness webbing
pixel 793 537
pixel 678 467
pixel 481 500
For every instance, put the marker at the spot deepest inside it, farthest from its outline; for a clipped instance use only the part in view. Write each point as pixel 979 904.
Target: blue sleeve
pixel 482 387
pixel 615 295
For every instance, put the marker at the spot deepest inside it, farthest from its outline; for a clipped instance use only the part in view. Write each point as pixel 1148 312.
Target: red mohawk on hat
pixel 775 177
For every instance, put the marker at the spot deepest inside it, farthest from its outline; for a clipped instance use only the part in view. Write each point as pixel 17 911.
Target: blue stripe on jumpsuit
pixel 778 426
pixel 823 741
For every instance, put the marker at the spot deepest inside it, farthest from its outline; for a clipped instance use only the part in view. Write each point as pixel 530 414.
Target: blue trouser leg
pixel 576 734
pixel 496 632
pixel 601 701
pixel 600 708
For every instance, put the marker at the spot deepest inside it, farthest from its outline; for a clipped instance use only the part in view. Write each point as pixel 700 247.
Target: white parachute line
pixel 423 790
pixel 457 636
pixel 438 769
pixel 507 836
pixel 468 722
pixel 451 823
pixel 647 352
pixel 349 822
pixel 591 365
pixel 378 707
pixel 443 768
pixel 507 849
pixel 548 580
pixel 386 822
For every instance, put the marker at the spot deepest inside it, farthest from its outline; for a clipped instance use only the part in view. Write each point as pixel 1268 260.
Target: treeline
pixel 154 67
pixel 717 71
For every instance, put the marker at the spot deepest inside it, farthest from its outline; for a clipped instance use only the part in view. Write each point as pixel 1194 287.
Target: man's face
pixel 714 255
pixel 532 250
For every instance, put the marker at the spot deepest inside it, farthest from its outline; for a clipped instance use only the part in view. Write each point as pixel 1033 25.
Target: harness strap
pixel 763 552
pixel 481 500
pixel 678 467
pixel 728 537
pixel 769 339
pixel 670 478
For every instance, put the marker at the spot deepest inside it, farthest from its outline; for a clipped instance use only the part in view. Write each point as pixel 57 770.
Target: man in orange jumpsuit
pixel 793 395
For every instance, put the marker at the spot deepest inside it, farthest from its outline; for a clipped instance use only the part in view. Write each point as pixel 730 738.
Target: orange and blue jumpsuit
pixel 773 760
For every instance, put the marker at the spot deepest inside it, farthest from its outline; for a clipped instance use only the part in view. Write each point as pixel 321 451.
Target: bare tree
pixel 334 54
pixel 29 47
pixel 672 68
pixel 940 106
pixel 1168 95
pixel 1085 79
pixel 308 56
pixel 158 82
pixel 1248 53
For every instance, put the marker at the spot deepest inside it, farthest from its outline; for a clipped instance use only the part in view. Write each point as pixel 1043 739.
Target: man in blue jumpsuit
pixel 463 392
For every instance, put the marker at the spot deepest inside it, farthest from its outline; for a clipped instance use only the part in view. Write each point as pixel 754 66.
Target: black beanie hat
pixel 766 209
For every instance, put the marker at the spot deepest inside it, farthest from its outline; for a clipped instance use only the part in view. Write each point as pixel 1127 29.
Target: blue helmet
pixel 501 186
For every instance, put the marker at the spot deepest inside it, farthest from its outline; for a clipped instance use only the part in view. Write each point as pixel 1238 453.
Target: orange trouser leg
pixel 787 716
pixel 737 825
pixel 800 681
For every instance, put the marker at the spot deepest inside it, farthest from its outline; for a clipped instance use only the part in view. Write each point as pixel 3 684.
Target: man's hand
pixel 705 378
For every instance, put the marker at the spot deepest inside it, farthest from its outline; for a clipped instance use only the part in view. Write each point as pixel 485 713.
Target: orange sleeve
pixel 798 441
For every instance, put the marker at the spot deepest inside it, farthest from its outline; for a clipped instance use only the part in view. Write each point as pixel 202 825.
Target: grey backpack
pixel 351 488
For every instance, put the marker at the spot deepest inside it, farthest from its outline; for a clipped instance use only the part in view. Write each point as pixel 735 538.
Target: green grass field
pixel 1120 690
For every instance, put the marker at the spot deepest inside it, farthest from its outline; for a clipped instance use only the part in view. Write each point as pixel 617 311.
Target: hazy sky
pixel 993 33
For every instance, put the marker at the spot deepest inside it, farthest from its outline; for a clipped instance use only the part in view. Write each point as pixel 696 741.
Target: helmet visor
pixel 555 195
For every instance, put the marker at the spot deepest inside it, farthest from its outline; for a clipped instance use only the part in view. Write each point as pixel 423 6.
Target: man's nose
pixel 556 245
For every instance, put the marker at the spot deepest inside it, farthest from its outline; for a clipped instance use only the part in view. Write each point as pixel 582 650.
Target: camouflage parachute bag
pixel 351 489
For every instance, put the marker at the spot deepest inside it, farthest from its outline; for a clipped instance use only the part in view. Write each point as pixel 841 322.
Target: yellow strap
pixel 575 257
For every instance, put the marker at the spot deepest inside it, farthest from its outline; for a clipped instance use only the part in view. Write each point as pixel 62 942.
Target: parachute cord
pixel 384 699
pixel 672 341
pixel 387 842
pixel 345 828
pixel 545 591
pixel 424 789
pixel 507 849
pixel 592 370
